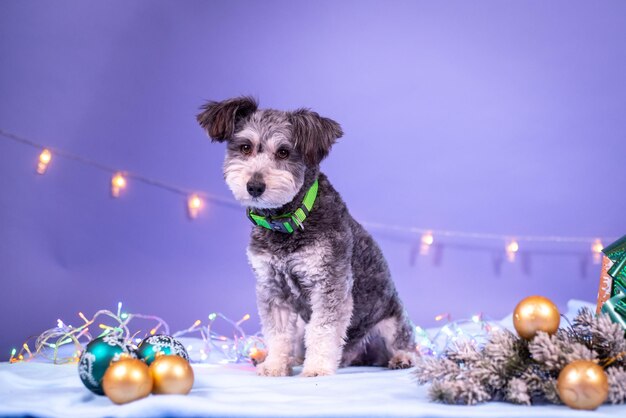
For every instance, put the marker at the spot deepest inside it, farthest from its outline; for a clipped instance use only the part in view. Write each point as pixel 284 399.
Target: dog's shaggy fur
pixel 327 284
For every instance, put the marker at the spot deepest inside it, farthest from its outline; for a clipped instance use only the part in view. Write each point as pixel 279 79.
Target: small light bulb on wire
pixel 118 183
pixel 596 249
pixel 426 241
pixel 194 206
pixel 512 247
pixel 44 159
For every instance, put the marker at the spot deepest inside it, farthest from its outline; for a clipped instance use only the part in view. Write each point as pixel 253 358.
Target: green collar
pixel 288 222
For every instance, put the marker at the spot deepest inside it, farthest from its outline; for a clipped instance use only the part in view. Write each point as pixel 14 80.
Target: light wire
pixel 231 203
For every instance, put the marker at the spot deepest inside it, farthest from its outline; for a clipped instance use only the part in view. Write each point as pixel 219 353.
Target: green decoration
pixel 615 307
pixel 287 222
pixel 95 360
pixel 150 346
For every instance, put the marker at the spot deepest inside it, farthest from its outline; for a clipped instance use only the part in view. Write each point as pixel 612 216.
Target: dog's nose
pixel 256 187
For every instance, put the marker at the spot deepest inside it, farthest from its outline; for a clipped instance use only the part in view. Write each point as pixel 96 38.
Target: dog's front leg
pixel 331 306
pixel 279 328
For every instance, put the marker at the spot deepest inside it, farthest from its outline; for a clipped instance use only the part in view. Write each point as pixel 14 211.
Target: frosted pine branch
pixel 512 369
pixel 548 350
pixel 431 369
pixel 617 385
pixel 517 392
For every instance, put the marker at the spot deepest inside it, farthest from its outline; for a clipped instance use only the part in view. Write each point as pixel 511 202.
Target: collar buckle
pixel 284 224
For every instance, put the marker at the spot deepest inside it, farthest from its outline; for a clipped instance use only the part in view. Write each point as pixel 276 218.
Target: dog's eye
pixel 245 149
pixel 282 153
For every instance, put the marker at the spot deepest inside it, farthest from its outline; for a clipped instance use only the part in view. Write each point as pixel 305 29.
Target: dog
pixel 324 291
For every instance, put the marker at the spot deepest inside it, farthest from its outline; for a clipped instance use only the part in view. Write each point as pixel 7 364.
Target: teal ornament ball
pixel 150 346
pixel 95 360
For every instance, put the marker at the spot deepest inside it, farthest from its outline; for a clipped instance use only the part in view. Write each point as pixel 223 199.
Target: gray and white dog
pixel 324 292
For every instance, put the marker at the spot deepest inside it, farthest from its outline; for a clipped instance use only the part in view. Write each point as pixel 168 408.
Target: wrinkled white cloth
pixel 47 390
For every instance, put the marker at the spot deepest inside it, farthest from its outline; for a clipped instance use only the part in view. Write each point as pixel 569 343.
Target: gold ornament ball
pixel 536 313
pixel 582 384
pixel 127 380
pixel 172 375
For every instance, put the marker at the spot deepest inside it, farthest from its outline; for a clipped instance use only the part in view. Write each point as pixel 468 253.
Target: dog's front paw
pixel 319 367
pixel 402 360
pixel 274 369
pixel 312 372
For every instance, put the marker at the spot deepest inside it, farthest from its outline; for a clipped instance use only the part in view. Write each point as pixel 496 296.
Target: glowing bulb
pixel 426 241
pixel 194 206
pixel 596 249
pixel 44 159
pixel 443 316
pixel 83 317
pixel 118 183
pixel 512 247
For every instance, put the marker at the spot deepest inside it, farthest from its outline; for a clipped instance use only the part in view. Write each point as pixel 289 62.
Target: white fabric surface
pixel 40 389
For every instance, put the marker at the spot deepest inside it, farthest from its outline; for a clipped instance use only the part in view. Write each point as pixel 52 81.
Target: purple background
pixel 477 116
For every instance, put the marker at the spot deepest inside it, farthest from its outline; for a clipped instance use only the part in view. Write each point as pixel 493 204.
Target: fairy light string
pixel 48 344
pixel 209 346
pixel 196 201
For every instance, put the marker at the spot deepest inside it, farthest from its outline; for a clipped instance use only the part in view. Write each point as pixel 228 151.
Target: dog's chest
pixel 289 275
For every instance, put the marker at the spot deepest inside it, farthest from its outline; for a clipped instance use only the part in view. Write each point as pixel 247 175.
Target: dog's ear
pixel 219 119
pixel 313 134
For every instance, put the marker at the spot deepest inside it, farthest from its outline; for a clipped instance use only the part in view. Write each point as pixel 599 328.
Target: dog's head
pixel 268 151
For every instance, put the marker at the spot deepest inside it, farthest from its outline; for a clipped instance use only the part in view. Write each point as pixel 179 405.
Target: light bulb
pixel 118 183
pixel 596 250
pixel 194 206
pixel 512 247
pixel 44 159
pixel 426 241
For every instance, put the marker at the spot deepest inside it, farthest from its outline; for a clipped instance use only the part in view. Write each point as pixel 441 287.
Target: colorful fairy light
pixel 596 250
pixel 51 344
pixel 476 330
pixel 44 159
pixel 512 247
pixel 194 206
pixel 425 242
pixel 118 183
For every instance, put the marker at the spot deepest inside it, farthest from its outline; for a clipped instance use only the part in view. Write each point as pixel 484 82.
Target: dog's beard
pixel 281 186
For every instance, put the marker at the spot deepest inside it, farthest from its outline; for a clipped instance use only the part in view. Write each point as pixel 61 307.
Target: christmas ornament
pixel 536 313
pixel 127 380
pixel 172 375
pixel 96 359
pixel 582 384
pixel 150 346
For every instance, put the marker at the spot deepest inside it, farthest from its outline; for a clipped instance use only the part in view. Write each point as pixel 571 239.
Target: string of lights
pixel 52 344
pixel 197 201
